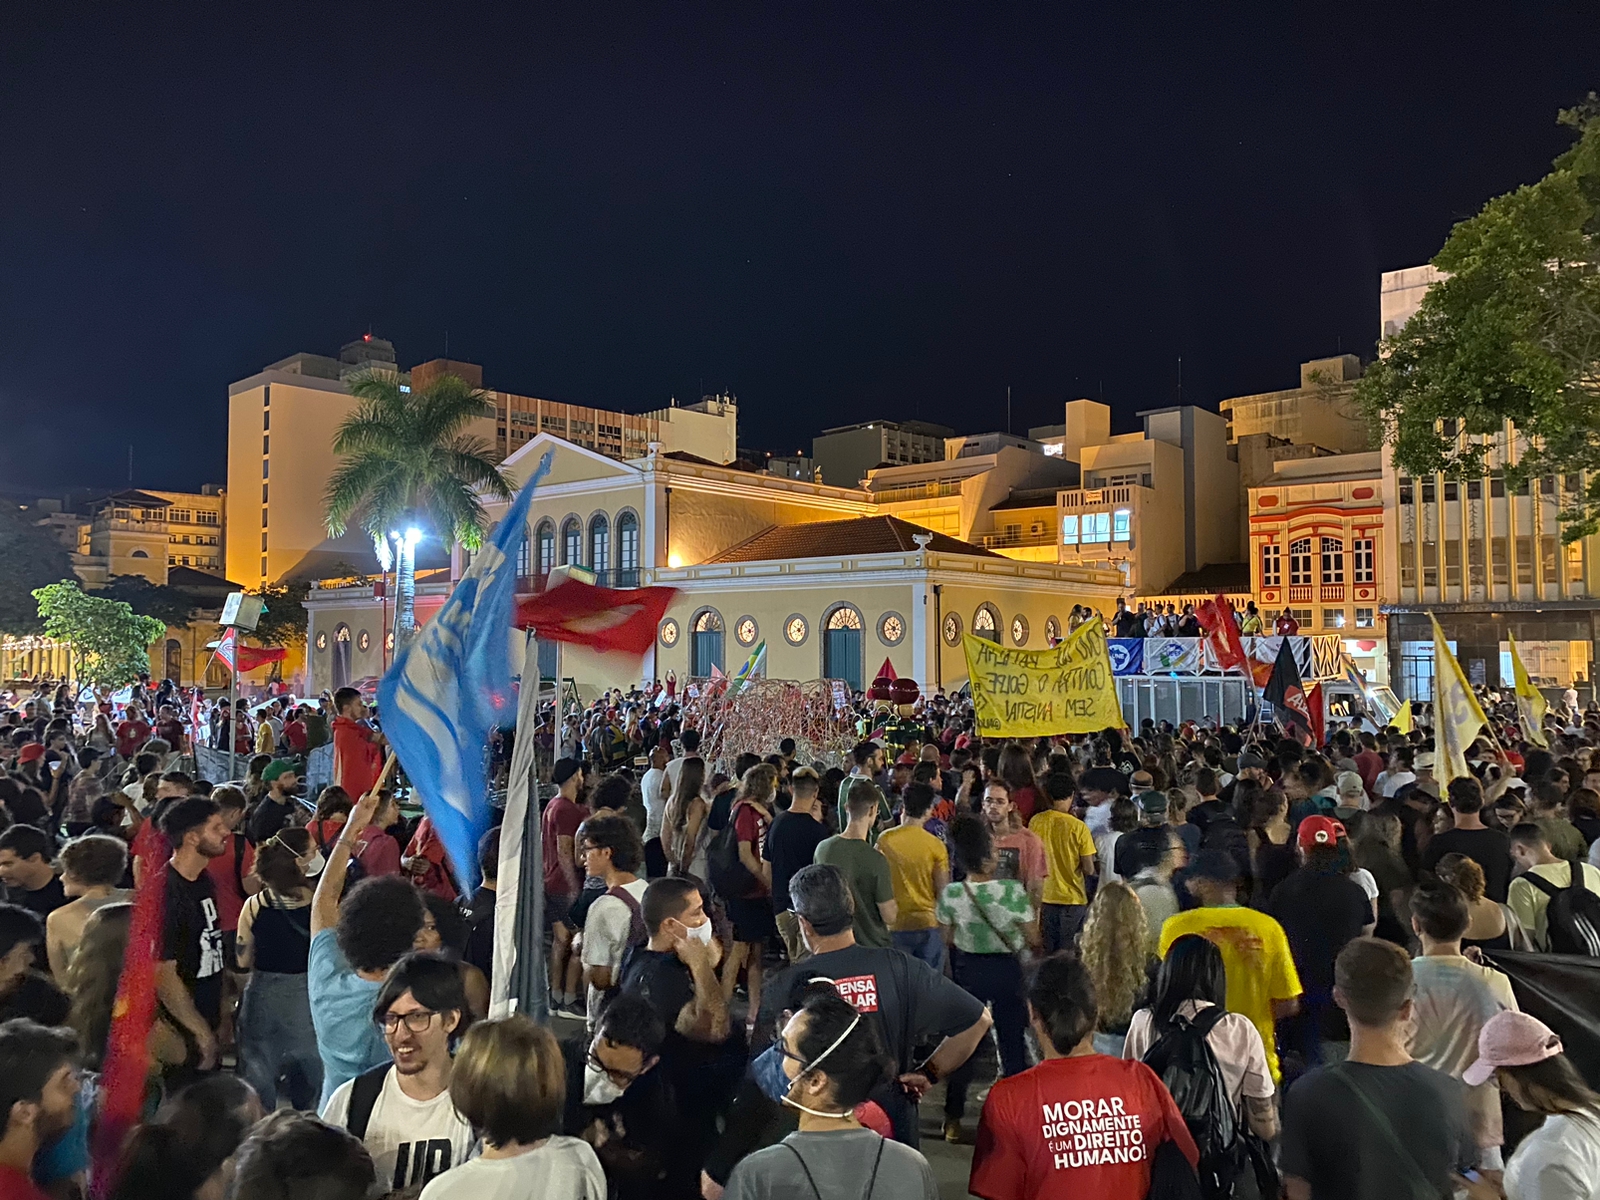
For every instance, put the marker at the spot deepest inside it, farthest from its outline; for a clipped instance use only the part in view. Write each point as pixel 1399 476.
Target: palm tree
pixel 408 469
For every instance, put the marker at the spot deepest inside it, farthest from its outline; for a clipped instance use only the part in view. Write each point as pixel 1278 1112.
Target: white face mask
pixel 699 933
pixel 598 1087
pixel 313 865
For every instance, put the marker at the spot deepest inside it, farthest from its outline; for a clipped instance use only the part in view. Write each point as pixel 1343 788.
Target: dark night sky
pixel 837 213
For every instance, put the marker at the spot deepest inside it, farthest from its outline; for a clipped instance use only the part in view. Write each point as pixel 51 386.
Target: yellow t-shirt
pixel 1255 954
pixel 1067 841
pixel 913 855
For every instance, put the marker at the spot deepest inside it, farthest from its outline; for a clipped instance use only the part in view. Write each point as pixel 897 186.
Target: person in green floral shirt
pixel 988 923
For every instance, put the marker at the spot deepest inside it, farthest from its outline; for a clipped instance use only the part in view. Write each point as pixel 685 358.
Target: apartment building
pixel 845 453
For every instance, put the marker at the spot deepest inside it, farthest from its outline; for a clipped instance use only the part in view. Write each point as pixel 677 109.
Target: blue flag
pixel 451 684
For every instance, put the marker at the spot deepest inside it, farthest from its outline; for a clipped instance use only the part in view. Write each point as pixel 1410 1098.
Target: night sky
pixel 837 213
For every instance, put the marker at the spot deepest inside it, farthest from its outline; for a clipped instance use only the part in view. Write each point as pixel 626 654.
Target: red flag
pixel 226 648
pixel 251 657
pixel 886 672
pixel 122 1078
pixel 1318 718
pixel 1222 633
pixel 605 618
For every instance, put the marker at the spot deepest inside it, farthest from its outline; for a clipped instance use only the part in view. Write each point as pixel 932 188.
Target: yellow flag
pixel 1457 716
pixel 1038 693
pixel 1530 703
pixel 1402 717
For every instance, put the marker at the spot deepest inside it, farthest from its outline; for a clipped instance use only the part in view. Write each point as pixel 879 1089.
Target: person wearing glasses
pixel 403 1113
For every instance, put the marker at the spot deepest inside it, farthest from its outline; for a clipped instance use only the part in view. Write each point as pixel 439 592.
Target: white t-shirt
pixel 1559 1160
pixel 655 805
pixel 1391 782
pixel 1105 845
pixel 562 1168
pixel 605 938
pixel 1234 1040
pixel 410 1141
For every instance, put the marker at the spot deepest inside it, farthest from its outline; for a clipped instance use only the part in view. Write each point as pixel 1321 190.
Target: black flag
pixel 1284 690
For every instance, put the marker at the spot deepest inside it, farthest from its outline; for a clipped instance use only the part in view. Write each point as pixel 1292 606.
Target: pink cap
pixel 1511 1039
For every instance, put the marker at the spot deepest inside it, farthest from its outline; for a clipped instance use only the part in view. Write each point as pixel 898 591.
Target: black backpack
pixel 1184 1061
pixel 729 877
pixel 1573 917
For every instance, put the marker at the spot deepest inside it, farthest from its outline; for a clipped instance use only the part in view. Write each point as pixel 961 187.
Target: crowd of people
pixel 1161 961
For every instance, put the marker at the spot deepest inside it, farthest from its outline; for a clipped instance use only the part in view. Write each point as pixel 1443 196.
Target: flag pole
pixel 233 711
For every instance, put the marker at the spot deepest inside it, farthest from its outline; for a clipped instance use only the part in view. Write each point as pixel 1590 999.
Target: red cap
pixel 32 752
pixel 1319 831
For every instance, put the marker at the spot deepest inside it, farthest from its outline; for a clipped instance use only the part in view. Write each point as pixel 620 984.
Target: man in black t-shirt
pixel 792 843
pixel 1489 848
pixel 27 871
pixel 189 979
pixel 24 990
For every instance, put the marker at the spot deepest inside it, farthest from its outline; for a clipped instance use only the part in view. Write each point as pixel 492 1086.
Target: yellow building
pixel 1322 411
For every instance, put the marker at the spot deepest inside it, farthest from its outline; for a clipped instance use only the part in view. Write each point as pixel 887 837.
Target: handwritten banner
pixel 1040 693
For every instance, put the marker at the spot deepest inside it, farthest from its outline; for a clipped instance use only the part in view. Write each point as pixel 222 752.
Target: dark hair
pixel 613 791
pixel 228 796
pixel 434 982
pixel 29 1054
pixel 187 1141
pixel 449 921
pixel 1205 781
pixel 1374 979
pixel 821 894
pixel 972 842
pixel 96 859
pixel 183 815
pixel 862 752
pixel 629 1020
pixel 857 1065
pixel 1439 909
pixel 1192 970
pixel 617 834
pixel 1553 1079
pixel 278 866
pixel 786 746
pixel 178 779
pixel 689 739
pixel 666 898
pixel 293 1156
pixel 1465 794
pixel 744 762
pixel 489 854
pixel 26 841
pixel 343 696
pixel 19 927
pixel 378 922
pixel 1062 994
pixel 1059 786
pixel 333 801
pixel 916 800
pixel 1124 815
pixel 1529 833
pixel 865 797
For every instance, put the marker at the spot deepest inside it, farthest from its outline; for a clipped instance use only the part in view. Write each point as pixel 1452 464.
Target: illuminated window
pixel 795 629
pixel 952 629
pixel 1366 618
pixel 1300 561
pixel 1122 525
pixel 571 543
pixel 1019 630
pixel 1069 530
pixel 1097 527
pixel 669 632
pixel 745 630
pixel 1271 565
pixel 986 622
pixel 892 629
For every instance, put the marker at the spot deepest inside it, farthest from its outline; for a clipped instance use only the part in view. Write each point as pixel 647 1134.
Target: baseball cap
pixel 1216 865
pixel 279 768
pixel 1511 1039
pixel 565 769
pixel 1423 761
pixel 1319 831
pixel 1349 784
pixel 32 752
pixel 1152 802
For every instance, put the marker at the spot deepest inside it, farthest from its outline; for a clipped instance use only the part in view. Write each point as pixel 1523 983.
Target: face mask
pixel 767 1067
pixel 313 865
pixel 699 933
pixel 598 1087
pixel 812 1065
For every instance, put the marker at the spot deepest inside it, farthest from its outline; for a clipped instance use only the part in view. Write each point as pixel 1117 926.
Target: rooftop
pixel 857 535
pixel 1227 578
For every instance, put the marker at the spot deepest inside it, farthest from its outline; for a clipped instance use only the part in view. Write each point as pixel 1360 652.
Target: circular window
pixel 388 640
pixel 1052 629
pixel 363 640
pixel 1019 630
pixel 795 629
pixel 952 629
pixel 668 632
pixel 891 629
pixel 322 640
pixel 745 630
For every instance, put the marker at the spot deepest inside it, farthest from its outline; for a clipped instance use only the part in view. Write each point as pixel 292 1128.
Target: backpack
pixel 364 1093
pixel 638 938
pixel 729 877
pixel 1183 1060
pixel 1573 917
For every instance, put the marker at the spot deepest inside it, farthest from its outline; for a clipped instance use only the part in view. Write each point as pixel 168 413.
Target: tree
pixel 1511 333
pixel 409 469
pixel 283 620
pixel 32 558
pixel 111 641
pixel 166 604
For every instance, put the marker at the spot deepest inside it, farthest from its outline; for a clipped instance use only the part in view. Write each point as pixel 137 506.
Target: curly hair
pixel 378 921
pixel 1115 948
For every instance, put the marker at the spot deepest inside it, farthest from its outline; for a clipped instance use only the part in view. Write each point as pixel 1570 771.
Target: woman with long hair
pixel 1490 926
pixel 444 932
pixel 1272 852
pixel 1114 945
pixel 91 984
pixel 276 1039
pixel 1015 766
pixel 684 829
pixel 1191 981
pixel 751 914
pixel 333 810
pixel 1375 844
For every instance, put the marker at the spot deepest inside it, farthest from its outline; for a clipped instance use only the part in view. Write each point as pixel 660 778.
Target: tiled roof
pixel 855 535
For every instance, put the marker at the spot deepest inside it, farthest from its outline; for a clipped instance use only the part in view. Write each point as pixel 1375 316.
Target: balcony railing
pixel 1016 538
pixel 1333 593
pixel 1090 497
pixel 919 491
pixel 619 578
pixel 1301 593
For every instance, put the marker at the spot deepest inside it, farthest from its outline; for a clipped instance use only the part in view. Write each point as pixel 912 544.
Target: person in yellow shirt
pixel 1070 858
pixel 1263 984
pixel 919 868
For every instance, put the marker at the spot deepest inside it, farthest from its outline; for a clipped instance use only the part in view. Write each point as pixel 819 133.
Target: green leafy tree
pixel 110 641
pixel 409 469
pixel 283 620
pixel 166 604
pixel 30 557
pixel 1511 333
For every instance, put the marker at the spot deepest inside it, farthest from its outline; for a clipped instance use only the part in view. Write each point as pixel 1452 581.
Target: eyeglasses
pixel 623 1079
pixel 417 1020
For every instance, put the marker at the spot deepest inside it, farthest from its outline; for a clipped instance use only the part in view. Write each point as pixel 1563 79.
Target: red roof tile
pixel 855 535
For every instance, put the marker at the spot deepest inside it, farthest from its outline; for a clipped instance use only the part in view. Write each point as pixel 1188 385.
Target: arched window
pixel 544 538
pixel 627 550
pixel 705 642
pixel 841 645
pixel 1332 560
pixel 571 542
pixel 600 543
pixel 524 558
pixel 986 622
pixel 173 667
pixel 138 554
pixel 1300 561
pixel 341 657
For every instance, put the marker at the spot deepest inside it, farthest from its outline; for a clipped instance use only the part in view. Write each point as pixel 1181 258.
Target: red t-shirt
pixel 750 825
pixel 294 732
pixel 357 762
pixel 561 819
pixel 230 896
pixel 1027 801
pixel 131 735
pixel 1075 1127
pixel 1286 626
pixel 14 1185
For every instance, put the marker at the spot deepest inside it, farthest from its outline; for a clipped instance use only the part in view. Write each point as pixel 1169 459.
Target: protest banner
pixel 1038 693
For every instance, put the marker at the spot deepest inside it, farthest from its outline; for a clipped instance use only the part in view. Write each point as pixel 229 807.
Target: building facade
pixel 1320 412
pixel 846 453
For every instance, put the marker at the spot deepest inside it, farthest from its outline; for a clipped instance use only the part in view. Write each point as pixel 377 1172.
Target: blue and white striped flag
pixel 451 684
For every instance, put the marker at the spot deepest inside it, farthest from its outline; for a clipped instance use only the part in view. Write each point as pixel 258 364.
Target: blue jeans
pixel 995 979
pixel 1059 925
pixel 926 944
pixel 277 1041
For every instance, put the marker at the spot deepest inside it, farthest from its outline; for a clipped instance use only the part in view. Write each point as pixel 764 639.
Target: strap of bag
pixel 1418 1176
pixel 872 1180
pixel 364 1093
pixel 973 896
pixel 815 1190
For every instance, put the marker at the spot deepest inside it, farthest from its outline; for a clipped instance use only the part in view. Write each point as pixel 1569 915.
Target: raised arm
pixel 330 885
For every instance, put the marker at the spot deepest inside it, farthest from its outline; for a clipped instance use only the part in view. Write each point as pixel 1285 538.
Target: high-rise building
pixel 846 453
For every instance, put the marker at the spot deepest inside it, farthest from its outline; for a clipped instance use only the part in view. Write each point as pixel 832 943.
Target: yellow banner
pixel 1457 716
pixel 1039 693
pixel 1531 703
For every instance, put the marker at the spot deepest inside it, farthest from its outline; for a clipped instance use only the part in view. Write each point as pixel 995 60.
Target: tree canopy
pixel 283 620
pixel 31 557
pixel 110 641
pixel 1512 332
pixel 166 604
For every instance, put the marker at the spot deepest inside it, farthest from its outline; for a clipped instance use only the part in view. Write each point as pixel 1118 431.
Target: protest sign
pixel 1038 693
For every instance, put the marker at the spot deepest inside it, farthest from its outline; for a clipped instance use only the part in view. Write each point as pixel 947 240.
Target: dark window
pixel 1450 491
pixel 1474 489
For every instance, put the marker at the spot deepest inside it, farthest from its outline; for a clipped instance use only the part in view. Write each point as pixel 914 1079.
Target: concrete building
pixel 1400 294
pixel 847 452
pixel 1320 412
pixel 302 400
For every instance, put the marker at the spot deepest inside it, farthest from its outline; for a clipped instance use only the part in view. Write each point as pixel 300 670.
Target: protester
pixel 187 1149
pixel 563 879
pixel 189 981
pixel 444 932
pixel 867 871
pixel 685 832
pixel 750 908
pixel 276 807
pixel 1070 854
pixel 1114 946
pixel 357 747
pixel 791 844
pixel 27 871
pixel 655 790
pixel 1490 926
pixel 919 868
pixel 1019 854
pixel 293 1156
pixel 1489 848
pixel 1541 875
pixel 478 952
pixel 612 852
pixel 92 868
pixel 39 1097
